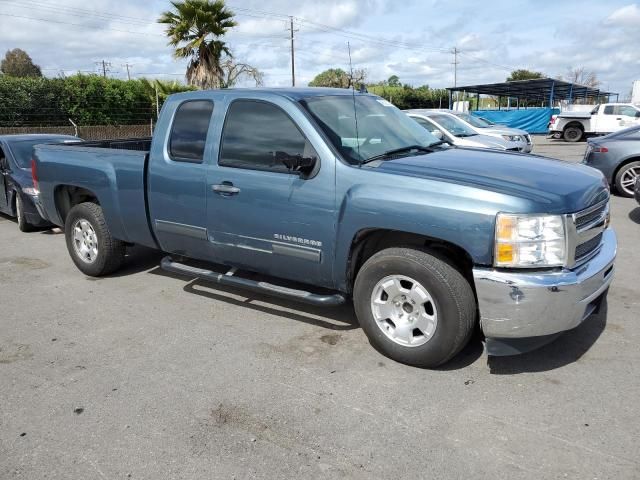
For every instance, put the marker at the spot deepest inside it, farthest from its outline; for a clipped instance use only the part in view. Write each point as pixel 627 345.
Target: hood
pixel 505 130
pixel 550 186
pixel 482 141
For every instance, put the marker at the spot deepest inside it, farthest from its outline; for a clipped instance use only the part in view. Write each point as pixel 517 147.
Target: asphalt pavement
pixel 146 375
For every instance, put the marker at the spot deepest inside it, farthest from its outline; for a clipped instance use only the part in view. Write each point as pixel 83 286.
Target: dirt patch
pixel 25 263
pixel 15 353
pixel 331 338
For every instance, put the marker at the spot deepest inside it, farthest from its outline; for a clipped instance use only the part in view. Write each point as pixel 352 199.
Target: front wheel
pixel 23 224
pixel 91 246
pixel 414 307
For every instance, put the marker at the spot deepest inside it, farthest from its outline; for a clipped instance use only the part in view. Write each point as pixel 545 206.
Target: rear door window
pixel 188 136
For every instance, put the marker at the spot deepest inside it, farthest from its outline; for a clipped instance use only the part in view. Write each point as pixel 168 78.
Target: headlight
pixel 30 191
pixel 512 138
pixel 530 241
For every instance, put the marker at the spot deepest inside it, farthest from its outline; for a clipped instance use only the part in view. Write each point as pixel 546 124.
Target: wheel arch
pixel 626 161
pixel 68 196
pixel 367 242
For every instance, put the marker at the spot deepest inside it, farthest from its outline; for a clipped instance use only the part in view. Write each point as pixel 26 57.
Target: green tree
pixel 338 78
pixel 195 29
pixel 523 74
pixel 18 63
pixel 393 81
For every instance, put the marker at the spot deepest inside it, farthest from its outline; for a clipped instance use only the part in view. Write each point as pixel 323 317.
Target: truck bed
pixel 112 170
pixel 580 115
pixel 138 144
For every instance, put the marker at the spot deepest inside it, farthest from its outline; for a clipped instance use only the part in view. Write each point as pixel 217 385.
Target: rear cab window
pixel 188 136
pixel 257 134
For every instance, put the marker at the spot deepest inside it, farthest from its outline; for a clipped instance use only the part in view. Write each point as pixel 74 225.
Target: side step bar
pixel 256 286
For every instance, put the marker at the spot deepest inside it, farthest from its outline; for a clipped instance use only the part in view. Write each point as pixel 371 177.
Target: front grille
pixel 590 216
pixel 586 248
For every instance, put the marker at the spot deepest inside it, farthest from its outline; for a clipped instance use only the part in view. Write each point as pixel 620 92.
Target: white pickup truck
pixel 604 118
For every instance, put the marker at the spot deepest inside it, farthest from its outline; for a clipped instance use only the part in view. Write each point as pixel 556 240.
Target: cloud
pixel 628 16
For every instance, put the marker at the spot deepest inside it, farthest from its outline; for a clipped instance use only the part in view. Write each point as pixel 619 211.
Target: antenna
pixel 355 110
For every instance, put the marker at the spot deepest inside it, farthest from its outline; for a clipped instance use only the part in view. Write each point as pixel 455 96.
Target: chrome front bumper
pixel 517 304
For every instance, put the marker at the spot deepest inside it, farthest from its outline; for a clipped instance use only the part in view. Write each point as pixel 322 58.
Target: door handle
pixel 225 188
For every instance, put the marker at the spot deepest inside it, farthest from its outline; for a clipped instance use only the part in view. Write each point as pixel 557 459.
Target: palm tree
pixel 195 29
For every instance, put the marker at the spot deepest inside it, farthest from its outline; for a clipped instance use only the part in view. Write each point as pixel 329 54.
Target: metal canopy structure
pixel 539 90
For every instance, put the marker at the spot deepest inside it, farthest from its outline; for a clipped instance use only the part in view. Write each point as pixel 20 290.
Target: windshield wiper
pixel 396 151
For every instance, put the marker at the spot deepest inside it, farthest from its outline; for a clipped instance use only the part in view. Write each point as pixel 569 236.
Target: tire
pixel 451 306
pixel 23 224
pixel 91 247
pixel 626 177
pixel 572 134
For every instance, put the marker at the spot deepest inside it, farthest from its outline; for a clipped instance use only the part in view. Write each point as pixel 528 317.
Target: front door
pixel 261 216
pixel 4 172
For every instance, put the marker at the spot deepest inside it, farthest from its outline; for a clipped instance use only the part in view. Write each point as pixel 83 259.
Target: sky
pixel 413 39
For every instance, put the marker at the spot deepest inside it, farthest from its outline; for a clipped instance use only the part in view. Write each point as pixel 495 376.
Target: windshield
pixel 475 121
pixel 453 125
pixel 382 128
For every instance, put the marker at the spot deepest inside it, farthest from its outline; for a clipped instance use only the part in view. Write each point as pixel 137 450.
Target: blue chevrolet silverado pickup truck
pixel 343 194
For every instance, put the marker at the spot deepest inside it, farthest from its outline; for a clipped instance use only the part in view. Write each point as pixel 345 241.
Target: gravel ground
pixel 149 375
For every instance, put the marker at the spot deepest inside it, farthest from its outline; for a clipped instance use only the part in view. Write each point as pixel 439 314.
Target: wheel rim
pixel 572 133
pixel 629 178
pixel 404 310
pixel 85 241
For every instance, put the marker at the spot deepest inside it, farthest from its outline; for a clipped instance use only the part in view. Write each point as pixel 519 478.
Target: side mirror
pixel 297 163
pixel 438 134
pixel 638 114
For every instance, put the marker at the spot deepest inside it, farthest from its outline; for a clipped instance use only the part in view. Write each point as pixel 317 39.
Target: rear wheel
pixel 626 178
pixel 23 224
pixel 572 134
pixel 414 307
pixel 91 246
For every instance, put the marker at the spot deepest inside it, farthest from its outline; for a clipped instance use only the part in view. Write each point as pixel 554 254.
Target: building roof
pixel 540 89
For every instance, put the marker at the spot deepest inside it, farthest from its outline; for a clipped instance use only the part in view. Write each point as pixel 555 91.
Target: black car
pixel 16 185
pixel 617 155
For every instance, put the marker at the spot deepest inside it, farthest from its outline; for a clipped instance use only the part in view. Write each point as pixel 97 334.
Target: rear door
pixel 4 172
pixel 177 179
pixel 261 216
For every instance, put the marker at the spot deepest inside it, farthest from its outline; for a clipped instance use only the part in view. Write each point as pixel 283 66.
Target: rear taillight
pixel 600 149
pixel 34 175
pixel 553 119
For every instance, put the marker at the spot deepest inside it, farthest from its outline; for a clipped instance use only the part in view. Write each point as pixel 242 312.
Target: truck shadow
pixel 331 318
pixel 567 348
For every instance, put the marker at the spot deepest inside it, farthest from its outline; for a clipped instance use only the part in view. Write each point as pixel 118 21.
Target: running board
pixel 256 286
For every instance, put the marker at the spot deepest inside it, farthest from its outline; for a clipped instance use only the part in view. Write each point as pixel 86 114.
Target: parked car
pixel 285 183
pixel 16 185
pixel 456 132
pixel 484 127
pixel 602 120
pixel 617 156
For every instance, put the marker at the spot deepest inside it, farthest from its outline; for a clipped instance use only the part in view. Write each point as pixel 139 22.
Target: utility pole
pixel 126 65
pixel 293 56
pixel 105 66
pixel 455 66
pixel 455 69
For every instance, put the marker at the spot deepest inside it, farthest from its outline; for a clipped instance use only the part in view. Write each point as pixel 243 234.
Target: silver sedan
pixel 454 131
